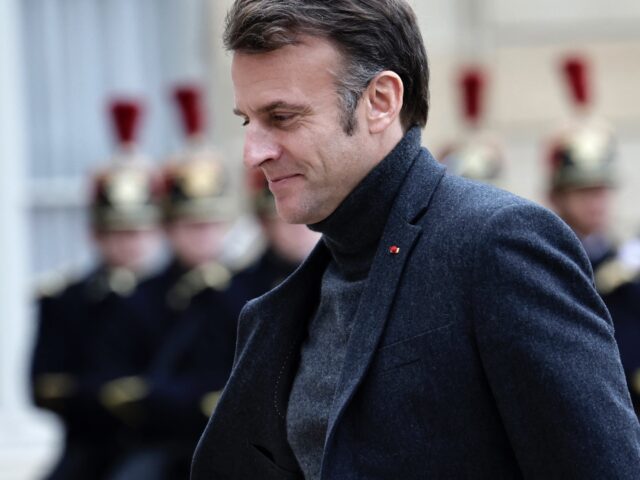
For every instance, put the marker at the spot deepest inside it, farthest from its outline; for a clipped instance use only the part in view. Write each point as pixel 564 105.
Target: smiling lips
pixel 282 181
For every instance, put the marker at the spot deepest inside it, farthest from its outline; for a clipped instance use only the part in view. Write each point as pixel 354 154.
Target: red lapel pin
pixel 394 250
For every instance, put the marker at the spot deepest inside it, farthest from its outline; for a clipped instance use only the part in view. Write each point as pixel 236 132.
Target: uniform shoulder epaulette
pixel 51 386
pixel 212 275
pixel 216 276
pixel 209 402
pixel 244 248
pixel 621 270
pixel 122 281
pixel 52 285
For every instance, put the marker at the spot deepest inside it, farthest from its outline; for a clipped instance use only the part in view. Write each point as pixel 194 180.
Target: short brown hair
pixel 372 35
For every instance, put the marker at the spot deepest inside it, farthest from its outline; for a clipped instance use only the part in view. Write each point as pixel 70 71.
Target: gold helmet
pixel 582 154
pixel 479 156
pixel 125 194
pixel 196 189
pixel 196 184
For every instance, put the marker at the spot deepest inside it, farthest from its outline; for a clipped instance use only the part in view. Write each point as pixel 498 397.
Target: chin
pixel 294 215
pixel 297 211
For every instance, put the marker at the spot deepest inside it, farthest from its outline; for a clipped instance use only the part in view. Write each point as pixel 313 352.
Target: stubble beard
pixel 304 212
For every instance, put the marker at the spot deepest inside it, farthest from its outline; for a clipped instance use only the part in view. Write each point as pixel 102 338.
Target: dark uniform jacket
pixel 619 286
pixel 480 349
pixel 193 335
pixel 269 271
pixel 88 334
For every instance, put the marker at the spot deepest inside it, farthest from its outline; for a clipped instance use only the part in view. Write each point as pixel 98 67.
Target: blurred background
pixel 61 60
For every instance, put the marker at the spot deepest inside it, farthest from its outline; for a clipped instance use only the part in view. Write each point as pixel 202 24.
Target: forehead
pixel 302 71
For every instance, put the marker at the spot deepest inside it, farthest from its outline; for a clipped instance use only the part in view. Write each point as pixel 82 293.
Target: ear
pixel 384 99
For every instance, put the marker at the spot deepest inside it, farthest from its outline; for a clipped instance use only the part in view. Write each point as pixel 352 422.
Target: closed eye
pixel 282 117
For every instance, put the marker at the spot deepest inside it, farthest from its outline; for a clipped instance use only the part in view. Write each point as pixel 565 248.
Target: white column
pixel 25 447
pixel 13 211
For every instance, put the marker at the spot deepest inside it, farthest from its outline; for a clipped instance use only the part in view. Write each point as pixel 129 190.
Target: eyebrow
pixel 274 106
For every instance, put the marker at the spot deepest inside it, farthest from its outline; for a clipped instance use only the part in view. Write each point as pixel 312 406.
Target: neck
pixel 385 142
pixel 353 230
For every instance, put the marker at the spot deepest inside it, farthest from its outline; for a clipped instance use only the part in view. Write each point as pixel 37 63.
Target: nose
pixel 259 147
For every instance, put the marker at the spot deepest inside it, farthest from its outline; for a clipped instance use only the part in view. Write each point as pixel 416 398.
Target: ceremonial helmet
pixel 478 156
pixel 196 184
pixel 582 153
pixel 125 194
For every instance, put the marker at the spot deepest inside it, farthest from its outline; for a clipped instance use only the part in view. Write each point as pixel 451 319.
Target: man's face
pixel 586 210
pixel 292 111
pixel 196 242
pixel 132 249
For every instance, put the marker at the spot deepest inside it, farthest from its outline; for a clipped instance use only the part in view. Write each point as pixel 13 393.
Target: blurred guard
pixel 479 156
pixel 582 180
pixel 288 244
pixel 194 324
pixel 90 330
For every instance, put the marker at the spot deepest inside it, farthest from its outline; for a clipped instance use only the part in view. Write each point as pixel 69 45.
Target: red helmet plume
pixel 576 72
pixel 125 115
pixel 472 83
pixel 189 100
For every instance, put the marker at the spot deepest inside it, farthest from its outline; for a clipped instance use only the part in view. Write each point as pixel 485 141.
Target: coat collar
pixel 380 290
pixel 273 326
pixel 271 331
pixel 301 288
pixel 277 321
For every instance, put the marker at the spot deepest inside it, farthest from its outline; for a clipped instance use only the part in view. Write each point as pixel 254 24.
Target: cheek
pixel 574 206
pixel 123 250
pixel 592 206
pixel 142 245
pixel 111 250
pixel 603 204
pixel 209 240
pixel 179 239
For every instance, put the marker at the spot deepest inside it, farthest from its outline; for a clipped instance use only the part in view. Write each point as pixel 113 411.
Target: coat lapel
pixel 384 277
pixel 250 435
pixel 270 335
pixel 277 321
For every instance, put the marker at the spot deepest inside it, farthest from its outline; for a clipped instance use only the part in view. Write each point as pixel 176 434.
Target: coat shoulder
pixel 470 207
pixel 472 199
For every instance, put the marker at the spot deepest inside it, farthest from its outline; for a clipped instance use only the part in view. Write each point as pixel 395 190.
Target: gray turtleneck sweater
pixel 352 234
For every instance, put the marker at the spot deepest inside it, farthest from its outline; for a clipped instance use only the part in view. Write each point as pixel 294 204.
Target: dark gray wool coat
pixel 480 351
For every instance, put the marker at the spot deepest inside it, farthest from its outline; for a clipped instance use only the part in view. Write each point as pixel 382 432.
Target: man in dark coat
pixel 441 328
